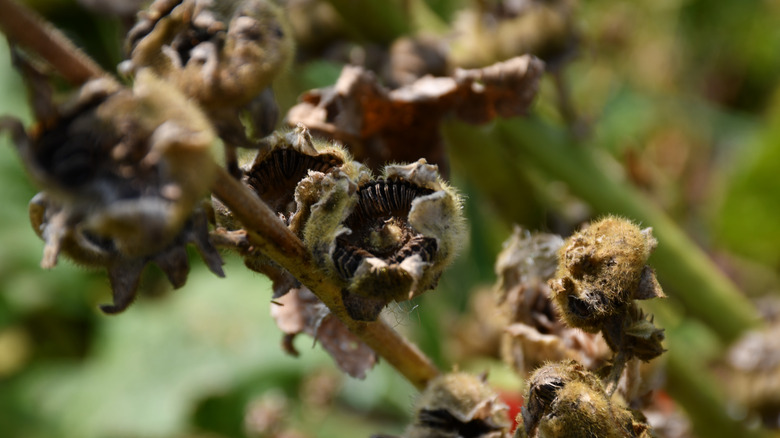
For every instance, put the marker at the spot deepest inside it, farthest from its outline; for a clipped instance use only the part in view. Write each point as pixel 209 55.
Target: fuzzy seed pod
pixel 459 405
pixel 124 173
pixel 564 400
pixel 223 54
pixel 405 227
pixel 276 170
pixel 287 161
pixel 220 53
pixel 601 270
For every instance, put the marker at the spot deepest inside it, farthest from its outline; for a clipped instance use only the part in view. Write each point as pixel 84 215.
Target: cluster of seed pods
pixel 384 238
pixel 125 169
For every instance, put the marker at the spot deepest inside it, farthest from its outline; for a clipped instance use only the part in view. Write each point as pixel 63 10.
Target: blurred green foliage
pixel 682 95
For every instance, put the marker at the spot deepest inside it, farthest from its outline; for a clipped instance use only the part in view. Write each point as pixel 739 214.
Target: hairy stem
pixel 273 238
pixel 24 27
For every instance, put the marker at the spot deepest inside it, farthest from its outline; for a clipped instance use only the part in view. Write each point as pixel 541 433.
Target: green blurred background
pixel 680 98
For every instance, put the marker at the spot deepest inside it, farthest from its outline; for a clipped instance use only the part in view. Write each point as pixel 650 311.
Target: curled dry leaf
pixel 402 125
pixel 302 312
pixel 536 333
pixel 124 173
pixel 563 399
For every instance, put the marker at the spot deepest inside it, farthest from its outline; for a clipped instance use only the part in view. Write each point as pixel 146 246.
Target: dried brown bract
pixel 380 126
pixel 602 270
pixel 399 233
pixel 536 333
pixel 300 311
pixel 459 405
pixel 564 400
pixel 124 173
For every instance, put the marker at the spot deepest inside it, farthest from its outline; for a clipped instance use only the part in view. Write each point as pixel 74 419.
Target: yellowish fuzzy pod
pixel 601 270
pixel 564 400
pixel 458 405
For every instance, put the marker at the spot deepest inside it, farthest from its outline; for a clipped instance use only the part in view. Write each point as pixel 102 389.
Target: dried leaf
pixel 302 312
pixel 402 125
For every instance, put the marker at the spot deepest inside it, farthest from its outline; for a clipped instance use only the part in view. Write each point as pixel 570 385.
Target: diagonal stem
pixel 264 229
pixel 24 27
pixel 275 240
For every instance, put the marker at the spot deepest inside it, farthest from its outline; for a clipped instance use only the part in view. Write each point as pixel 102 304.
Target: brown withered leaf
pixel 300 311
pixel 402 125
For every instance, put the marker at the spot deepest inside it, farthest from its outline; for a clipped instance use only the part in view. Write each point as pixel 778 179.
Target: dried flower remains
pixel 124 173
pixel 536 334
pixel 223 54
pixel 397 234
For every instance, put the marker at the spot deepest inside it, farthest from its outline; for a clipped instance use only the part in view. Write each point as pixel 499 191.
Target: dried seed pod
pixel 602 269
pixel 565 400
pixel 277 169
pixel 224 54
pixel 459 405
pixel 404 229
pixel 536 333
pixel 124 172
pixel 285 162
pixel 601 272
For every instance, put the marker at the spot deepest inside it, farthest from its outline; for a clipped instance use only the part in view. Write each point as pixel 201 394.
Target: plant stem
pixel 265 230
pixel 274 239
pixel 24 27
pixel 706 292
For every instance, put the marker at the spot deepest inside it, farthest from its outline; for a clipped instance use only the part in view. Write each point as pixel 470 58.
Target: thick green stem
pixel 706 293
